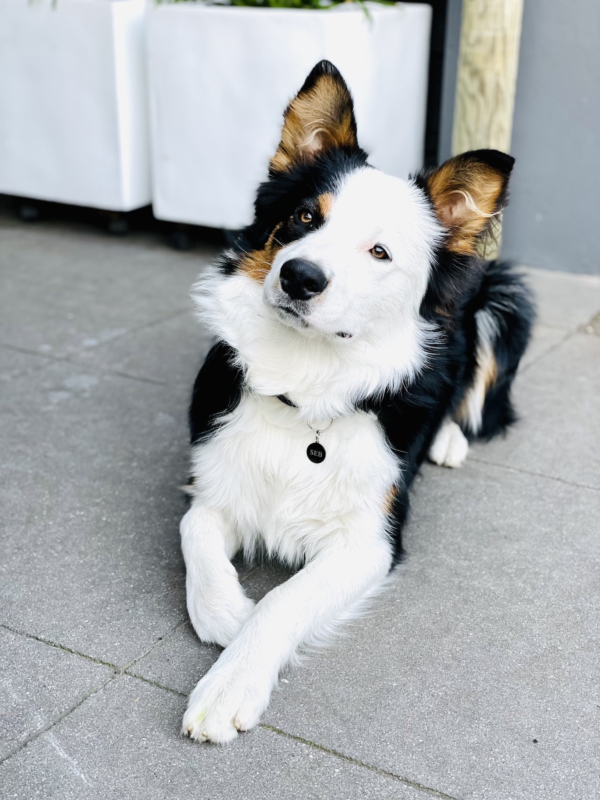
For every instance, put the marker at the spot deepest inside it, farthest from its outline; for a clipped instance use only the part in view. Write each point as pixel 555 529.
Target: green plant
pixel 290 3
pixel 310 4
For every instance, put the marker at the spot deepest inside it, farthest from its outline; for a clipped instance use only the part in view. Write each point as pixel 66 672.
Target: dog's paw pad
pixel 450 446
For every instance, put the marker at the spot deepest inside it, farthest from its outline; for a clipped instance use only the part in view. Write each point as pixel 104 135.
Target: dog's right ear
pixel 319 118
pixel 467 192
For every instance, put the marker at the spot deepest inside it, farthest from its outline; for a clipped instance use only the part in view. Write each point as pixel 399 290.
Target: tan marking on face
pixel 257 264
pixel 389 500
pixel 465 196
pixel 314 121
pixel 325 204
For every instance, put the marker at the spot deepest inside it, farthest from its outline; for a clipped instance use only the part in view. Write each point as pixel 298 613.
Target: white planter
pixel 73 102
pixel 221 77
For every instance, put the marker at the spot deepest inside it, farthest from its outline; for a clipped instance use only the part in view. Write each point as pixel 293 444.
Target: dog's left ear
pixel 319 118
pixel 468 191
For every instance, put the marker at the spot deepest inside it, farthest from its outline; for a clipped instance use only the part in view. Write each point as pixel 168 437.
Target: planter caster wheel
pixel 181 240
pixel 117 225
pixel 28 212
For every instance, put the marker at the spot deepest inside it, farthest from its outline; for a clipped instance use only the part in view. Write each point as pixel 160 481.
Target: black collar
pixel 286 400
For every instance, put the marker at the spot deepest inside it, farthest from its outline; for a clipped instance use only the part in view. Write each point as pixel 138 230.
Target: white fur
pixel 254 485
pixel 258 486
pixel 450 446
pixel 216 602
pixel 256 473
pixel 236 690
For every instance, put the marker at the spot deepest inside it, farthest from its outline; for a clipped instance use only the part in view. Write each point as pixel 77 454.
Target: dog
pixel 357 331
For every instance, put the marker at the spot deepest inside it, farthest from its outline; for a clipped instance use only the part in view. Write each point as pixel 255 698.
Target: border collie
pixel 357 332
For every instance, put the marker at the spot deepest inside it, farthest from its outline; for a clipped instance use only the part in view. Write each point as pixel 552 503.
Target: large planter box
pixel 221 77
pixel 73 102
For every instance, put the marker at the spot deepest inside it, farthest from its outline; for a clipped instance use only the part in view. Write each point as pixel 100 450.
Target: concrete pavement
pixel 475 675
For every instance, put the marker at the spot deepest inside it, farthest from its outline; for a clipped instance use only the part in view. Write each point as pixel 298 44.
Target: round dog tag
pixel 316 453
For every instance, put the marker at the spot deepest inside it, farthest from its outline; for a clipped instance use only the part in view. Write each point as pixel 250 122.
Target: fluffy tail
pixel 504 313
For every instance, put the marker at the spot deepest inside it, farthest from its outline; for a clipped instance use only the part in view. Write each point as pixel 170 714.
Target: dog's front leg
pixel 235 692
pixel 216 602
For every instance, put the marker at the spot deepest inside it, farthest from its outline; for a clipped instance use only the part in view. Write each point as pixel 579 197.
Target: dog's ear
pixel 468 192
pixel 320 117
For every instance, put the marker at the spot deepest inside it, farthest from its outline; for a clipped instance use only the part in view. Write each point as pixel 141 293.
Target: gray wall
pixel 553 220
pixel 453 17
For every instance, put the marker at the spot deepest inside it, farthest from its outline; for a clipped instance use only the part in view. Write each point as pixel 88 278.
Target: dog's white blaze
pixel 254 483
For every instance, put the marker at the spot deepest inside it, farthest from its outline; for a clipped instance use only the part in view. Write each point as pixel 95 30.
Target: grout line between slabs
pixel 357 762
pixel 155 684
pixel 534 474
pixel 128 332
pixel 568 335
pixel 59 646
pixel 115 667
pixel 51 359
pixel 142 327
pixel 36 734
pixel 26 370
pixel 155 644
pixel 349 759
pixel 119 671
pixel 27 351
pixel 108 371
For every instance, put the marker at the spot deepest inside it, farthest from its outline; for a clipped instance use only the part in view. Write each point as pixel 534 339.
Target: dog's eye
pixel 305 216
pixel 380 253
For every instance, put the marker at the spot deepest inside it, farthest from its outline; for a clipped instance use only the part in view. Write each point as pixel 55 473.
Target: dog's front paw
pixel 450 446
pixel 218 612
pixel 224 702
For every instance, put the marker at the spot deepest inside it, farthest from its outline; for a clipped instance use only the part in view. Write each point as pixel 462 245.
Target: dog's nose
pixel 302 279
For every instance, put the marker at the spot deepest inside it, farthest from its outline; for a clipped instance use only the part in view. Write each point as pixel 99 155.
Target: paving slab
pixel 558 399
pixel 543 339
pixel 180 659
pixel 124 743
pixel 564 300
pixel 38 684
pixel 67 291
pixel 477 672
pixel 171 351
pixel 486 641
pixel 91 467
pixel 14 363
pixel 593 326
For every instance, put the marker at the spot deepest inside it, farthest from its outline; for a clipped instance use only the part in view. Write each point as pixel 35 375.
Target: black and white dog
pixel 358 332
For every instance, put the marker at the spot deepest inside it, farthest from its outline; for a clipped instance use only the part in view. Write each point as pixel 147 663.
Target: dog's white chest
pixel 256 469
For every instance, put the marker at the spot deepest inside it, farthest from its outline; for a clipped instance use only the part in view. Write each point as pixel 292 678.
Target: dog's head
pixel 334 290
pixel 341 247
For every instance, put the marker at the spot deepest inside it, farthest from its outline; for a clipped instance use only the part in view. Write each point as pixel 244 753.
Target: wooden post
pixel 487 77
